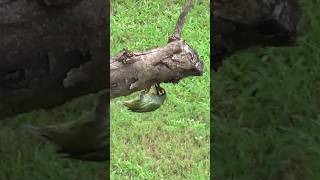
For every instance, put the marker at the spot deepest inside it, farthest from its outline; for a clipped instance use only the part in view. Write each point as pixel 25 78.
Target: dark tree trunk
pixel 239 25
pixel 51 51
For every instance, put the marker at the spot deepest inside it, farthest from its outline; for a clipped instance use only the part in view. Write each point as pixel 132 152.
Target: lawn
pixel 173 141
pixel 265 115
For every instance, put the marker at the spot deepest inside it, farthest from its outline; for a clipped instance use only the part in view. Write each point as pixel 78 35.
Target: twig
pixel 179 26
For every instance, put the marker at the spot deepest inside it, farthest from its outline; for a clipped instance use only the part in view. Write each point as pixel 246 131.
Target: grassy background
pixel 24 156
pixel 172 142
pixel 266 115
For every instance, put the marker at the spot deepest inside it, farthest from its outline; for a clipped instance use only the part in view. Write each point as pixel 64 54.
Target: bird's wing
pixel 85 138
pixel 150 103
pixel 132 104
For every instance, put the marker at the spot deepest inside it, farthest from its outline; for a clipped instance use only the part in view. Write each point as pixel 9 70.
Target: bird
pixel 147 102
pixel 86 138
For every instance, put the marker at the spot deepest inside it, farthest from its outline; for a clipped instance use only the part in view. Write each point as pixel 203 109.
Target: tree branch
pixel 130 71
pixel 180 23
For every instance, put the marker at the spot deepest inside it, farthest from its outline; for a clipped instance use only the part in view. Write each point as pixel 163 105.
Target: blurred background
pixel 266 109
pixel 26 156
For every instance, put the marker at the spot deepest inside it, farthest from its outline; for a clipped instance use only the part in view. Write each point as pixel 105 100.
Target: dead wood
pixel 134 71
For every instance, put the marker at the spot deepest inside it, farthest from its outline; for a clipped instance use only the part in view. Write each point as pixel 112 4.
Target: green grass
pixel 172 142
pixel 25 156
pixel 266 110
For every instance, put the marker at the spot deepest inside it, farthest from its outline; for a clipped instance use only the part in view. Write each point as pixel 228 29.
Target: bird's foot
pixel 146 90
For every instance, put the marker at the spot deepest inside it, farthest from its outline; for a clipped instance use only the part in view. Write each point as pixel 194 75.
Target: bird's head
pixel 159 90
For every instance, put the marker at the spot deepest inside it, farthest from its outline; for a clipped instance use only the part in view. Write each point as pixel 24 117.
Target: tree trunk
pixel 240 25
pixel 51 52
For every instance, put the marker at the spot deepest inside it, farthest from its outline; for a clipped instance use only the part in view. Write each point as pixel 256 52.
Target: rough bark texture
pixel 130 72
pixel 50 52
pixel 239 25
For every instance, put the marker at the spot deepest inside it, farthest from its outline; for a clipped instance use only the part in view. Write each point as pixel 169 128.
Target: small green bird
pixel 147 102
pixel 86 138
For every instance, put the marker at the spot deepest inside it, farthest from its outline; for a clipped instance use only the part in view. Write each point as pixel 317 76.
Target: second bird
pixel 147 102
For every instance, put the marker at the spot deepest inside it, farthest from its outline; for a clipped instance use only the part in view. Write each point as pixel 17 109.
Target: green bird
pixel 147 102
pixel 86 138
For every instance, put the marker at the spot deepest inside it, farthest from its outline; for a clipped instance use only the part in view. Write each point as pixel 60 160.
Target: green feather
pixel 145 102
pixel 86 138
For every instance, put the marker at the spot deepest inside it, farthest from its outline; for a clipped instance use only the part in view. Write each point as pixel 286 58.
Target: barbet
pixel 147 102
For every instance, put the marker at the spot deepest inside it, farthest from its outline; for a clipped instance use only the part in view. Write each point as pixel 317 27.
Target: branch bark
pixel 180 23
pixel 130 71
